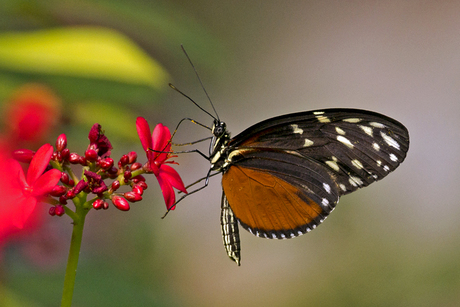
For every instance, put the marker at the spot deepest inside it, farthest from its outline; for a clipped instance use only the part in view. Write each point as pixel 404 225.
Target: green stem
pixel 74 253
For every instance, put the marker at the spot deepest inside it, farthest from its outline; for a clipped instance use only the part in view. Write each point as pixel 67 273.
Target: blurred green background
pixel 395 243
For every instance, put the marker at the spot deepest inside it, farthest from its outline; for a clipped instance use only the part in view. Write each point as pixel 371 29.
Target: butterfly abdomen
pixel 230 231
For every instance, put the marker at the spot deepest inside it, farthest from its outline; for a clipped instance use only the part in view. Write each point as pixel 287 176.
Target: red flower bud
pixel 132 196
pixel 127 175
pixel 138 178
pixel 136 166
pixel 58 190
pixel 52 211
pixel 91 155
pixel 65 153
pixel 65 178
pixel 132 157
pixel 61 142
pixel 121 203
pixel 143 185
pixel 81 185
pixel 138 189
pixel 106 164
pixel 74 158
pixel 115 185
pixel 97 204
pixel 59 210
pixel 105 205
pixel 23 155
pixel 124 160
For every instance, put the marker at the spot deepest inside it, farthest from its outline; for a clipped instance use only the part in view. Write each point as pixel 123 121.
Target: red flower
pixel 31 113
pixel 23 193
pixel 156 147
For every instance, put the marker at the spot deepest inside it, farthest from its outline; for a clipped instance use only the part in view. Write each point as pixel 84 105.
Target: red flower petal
pixel 172 176
pixel 168 193
pixel 46 182
pixel 143 130
pixel 14 170
pixel 160 139
pixel 26 205
pixel 39 163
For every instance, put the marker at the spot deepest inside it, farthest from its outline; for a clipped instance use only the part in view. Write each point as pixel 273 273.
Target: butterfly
pixel 283 176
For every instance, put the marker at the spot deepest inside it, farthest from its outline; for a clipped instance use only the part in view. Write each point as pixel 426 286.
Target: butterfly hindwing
pixel 278 195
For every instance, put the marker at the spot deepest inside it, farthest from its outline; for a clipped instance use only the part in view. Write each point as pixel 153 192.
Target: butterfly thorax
pixel 219 150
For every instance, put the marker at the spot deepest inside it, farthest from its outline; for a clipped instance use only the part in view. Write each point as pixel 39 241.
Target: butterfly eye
pixel 219 128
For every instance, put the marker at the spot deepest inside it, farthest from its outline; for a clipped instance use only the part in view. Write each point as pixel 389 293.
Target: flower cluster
pixel 101 177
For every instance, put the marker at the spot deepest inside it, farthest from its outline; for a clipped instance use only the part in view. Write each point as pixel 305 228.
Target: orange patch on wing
pixel 266 202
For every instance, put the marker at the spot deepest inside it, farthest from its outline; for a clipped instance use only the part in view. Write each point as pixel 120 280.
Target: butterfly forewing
pixel 286 173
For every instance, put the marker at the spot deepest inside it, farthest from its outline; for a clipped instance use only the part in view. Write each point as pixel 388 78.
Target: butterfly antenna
pixel 180 92
pixel 201 83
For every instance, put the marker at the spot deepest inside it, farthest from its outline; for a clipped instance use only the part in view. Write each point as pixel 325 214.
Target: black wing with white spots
pixel 332 151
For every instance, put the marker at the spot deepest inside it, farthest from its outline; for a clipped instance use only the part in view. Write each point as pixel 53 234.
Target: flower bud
pixel 138 189
pixel 97 204
pixel 59 210
pixel 61 142
pixel 123 160
pixel 23 155
pixel 127 175
pixel 74 158
pixel 91 155
pixel 138 178
pixel 143 185
pixel 132 157
pixel 58 190
pixel 81 185
pixel 52 211
pixel 106 164
pixel 132 196
pixel 65 178
pixel 65 153
pixel 115 185
pixel 121 203
pixel 136 166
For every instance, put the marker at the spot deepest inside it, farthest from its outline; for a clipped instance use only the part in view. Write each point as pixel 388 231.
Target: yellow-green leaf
pixel 80 51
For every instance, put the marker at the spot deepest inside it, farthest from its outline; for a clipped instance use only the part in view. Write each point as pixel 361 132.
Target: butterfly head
pixel 219 128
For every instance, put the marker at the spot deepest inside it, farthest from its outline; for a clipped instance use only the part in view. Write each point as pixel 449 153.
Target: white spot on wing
pixel 344 141
pixel 386 168
pixel 333 165
pixel 324 202
pixel 343 187
pixel 352 120
pixel 377 125
pixel 327 187
pixel 296 129
pixel 367 130
pixel 323 119
pixel 318 112
pixel 393 158
pixel 355 181
pixel 357 164
pixel 308 143
pixel 389 140
pixel 339 131
pixel 376 146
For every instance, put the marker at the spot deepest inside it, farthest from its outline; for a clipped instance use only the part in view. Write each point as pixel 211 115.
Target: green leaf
pixel 85 52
